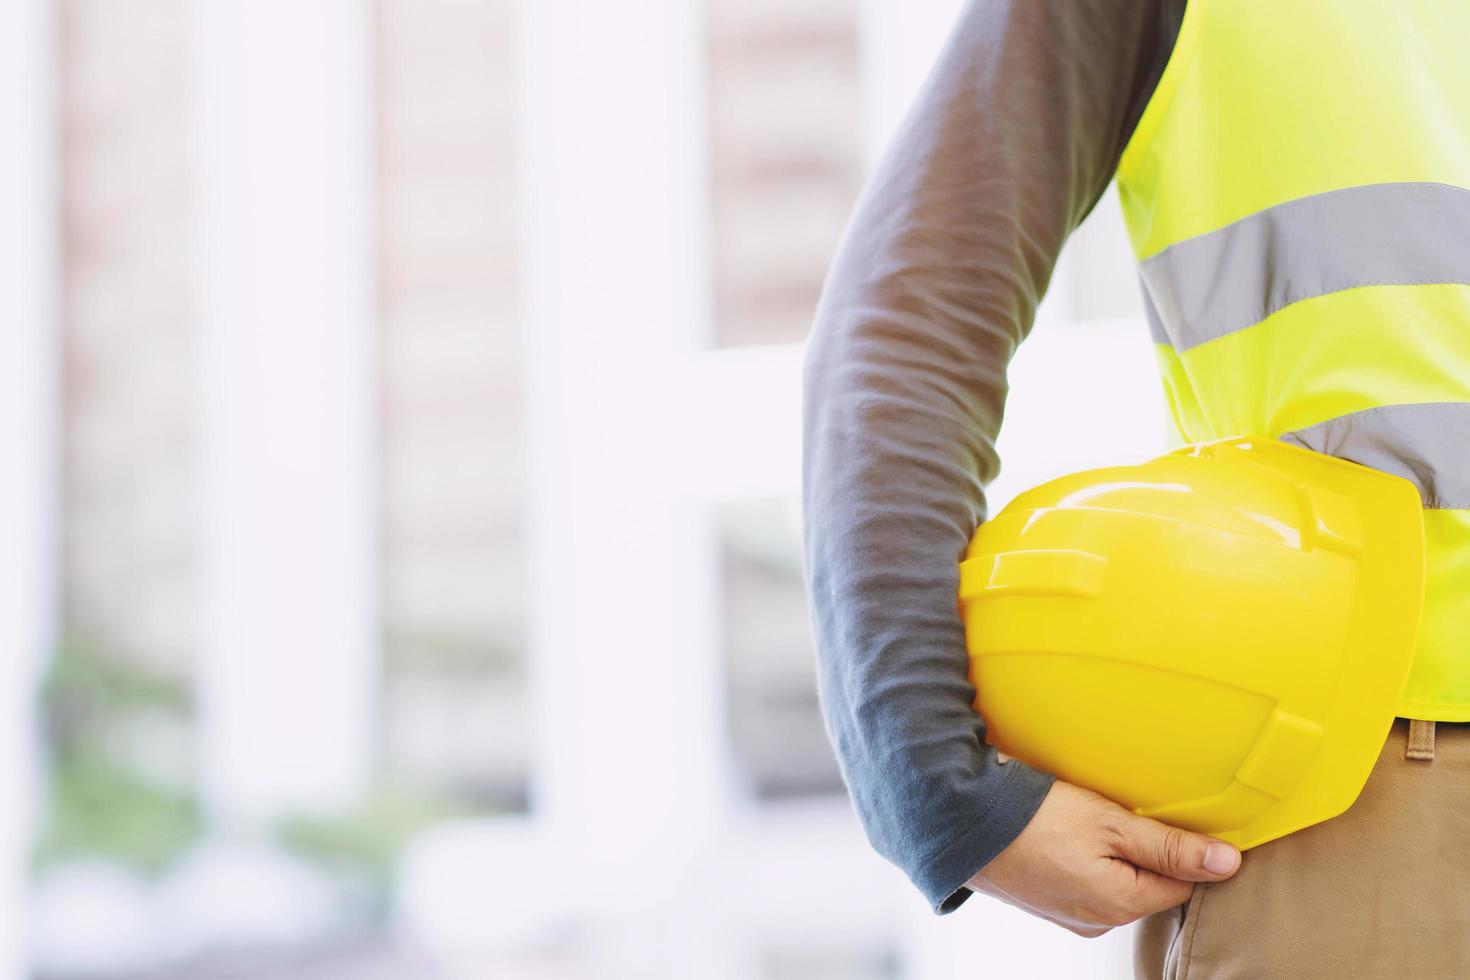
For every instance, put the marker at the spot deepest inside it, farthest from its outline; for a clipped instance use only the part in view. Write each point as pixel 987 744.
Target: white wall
pixel 29 365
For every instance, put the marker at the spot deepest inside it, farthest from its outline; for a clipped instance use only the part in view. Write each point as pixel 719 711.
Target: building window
pixel 785 145
pixel 453 708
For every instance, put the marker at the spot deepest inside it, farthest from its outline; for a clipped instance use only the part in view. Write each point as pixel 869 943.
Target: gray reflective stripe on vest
pixel 1156 330
pixel 1378 234
pixel 1426 444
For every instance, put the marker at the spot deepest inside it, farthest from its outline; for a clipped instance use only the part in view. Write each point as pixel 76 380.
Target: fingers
pixel 1175 853
pixel 1154 892
pixel 1088 865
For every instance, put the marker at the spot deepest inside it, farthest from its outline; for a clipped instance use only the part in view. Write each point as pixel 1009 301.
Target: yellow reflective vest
pixel 1297 192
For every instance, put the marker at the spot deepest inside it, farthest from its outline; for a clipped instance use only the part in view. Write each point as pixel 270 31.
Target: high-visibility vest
pixel 1298 195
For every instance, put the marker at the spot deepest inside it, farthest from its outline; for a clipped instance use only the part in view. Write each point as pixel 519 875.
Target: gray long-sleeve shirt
pixel 1011 142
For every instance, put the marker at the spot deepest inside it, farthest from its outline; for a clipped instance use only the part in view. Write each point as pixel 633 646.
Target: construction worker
pixel 1296 182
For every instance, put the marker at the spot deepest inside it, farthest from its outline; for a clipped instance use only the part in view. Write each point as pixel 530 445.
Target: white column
pixel 898 41
pixel 629 765
pixel 287 435
pixel 29 413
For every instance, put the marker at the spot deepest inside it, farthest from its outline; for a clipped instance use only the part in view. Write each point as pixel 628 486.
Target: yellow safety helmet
pixel 1215 638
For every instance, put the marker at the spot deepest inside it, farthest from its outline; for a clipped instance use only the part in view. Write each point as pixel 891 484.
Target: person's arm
pixel 1012 141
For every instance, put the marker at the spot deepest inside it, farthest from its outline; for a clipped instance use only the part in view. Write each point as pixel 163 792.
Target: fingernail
pixel 1219 858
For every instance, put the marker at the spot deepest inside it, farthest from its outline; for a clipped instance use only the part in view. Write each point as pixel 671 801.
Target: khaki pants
pixel 1380 891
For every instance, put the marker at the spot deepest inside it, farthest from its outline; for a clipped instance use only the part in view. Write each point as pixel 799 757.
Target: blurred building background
pixel 402 423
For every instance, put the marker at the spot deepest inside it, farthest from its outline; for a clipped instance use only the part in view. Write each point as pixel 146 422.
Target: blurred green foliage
pixel 101 802
pixel 103 810
pixel 105 801
pixel 360 848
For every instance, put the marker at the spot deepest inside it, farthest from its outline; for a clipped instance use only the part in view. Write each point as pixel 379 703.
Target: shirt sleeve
pixel 1011 142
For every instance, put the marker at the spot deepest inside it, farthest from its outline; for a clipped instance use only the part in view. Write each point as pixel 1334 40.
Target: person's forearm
pixel 1013 139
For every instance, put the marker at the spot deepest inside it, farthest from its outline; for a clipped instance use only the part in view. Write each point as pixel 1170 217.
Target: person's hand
pixel 1088 865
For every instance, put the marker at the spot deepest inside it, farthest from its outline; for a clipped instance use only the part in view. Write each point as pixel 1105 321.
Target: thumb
pixel 1177 853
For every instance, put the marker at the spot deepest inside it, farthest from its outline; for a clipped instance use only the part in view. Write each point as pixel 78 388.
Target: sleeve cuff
pixel 942 878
